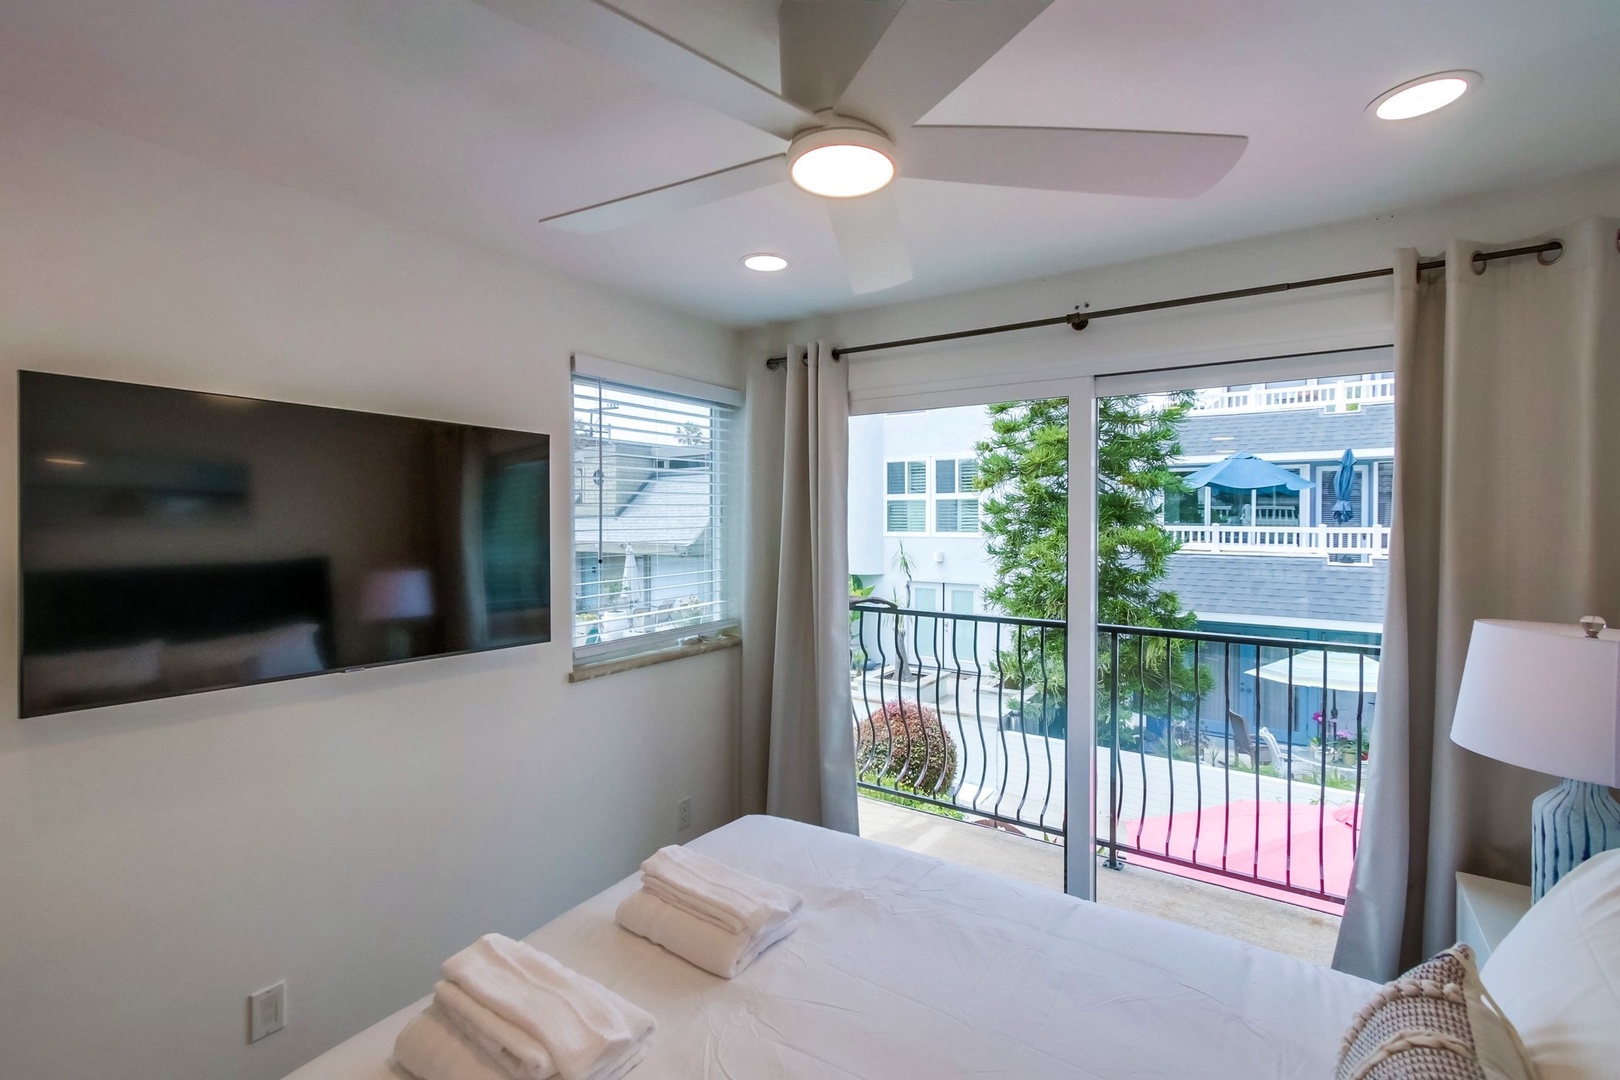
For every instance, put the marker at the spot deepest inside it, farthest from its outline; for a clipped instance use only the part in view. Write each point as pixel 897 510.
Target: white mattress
pixel 906 967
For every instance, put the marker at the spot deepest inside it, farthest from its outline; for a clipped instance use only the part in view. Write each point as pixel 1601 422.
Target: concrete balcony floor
pixel 1272 924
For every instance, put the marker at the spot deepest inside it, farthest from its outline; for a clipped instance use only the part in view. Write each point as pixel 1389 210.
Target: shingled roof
pixel 1279 586
pixel 670 513
pixel 1289 431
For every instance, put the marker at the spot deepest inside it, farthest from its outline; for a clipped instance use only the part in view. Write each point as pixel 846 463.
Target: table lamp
pixel 1546 696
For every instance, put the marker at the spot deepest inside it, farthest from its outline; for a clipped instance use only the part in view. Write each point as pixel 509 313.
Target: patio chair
pixel 1242 746
pixel 1302 765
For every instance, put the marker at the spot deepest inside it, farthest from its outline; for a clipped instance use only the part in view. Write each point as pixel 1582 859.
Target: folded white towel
pixel 737 902
pixel 704 944
pixel 585 1028
pixel 519 1053
pixel 431 1047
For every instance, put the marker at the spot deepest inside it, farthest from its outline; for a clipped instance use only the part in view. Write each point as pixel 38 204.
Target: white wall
pixel 1033 362
pixel 160 861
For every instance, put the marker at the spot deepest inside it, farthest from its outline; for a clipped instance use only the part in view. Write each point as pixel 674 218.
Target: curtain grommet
pixel 1552 255
pixel 1478 264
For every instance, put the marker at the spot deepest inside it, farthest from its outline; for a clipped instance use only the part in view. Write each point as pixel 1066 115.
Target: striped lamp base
pixel 1569 824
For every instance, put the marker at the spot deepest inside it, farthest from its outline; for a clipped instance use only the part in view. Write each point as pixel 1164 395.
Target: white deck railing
pixel 1329 397
pixel 1320 541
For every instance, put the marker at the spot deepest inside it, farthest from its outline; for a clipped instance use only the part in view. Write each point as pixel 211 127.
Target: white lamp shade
pixel 397 594
pixel 1543 696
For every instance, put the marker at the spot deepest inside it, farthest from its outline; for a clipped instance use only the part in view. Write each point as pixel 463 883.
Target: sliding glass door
pixel 963 593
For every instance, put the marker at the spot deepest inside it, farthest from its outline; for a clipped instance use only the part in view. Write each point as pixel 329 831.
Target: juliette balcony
pixel 1339 543
pixel 1226 758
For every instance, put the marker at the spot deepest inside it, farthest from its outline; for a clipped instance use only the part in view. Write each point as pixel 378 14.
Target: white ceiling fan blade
pixel 926 52
pixel 824 44
pixel 870 240
pixel 1165 164
pixel 708 188
pixel 623 40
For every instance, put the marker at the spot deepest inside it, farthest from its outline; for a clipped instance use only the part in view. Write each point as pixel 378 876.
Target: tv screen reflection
pixel 174 541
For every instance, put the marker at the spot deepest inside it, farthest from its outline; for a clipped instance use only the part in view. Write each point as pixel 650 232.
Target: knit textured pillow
pixel 1433 1023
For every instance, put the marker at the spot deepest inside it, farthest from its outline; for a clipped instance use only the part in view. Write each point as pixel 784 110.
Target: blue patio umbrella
pixel 1345 488
pixel 1245 472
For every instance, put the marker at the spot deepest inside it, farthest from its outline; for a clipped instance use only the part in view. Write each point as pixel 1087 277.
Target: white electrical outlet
pixel 267 1011
pixel 683 815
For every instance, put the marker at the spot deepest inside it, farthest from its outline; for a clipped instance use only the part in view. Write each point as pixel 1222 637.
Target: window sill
pixel 593 669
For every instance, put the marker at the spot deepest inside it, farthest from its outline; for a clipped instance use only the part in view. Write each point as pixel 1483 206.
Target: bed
pixel 906 967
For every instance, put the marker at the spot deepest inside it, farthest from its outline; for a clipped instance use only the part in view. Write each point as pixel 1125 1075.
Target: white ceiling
pixel 446 115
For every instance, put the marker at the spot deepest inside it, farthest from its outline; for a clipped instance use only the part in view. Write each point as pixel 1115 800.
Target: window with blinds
pixel 652 503
pixel 906 483
pixel 956 508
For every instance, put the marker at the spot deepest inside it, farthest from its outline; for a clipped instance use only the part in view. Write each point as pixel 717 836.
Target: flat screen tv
pixel 173 541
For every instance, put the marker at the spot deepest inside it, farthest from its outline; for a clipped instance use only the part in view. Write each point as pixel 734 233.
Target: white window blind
pixel 957 508
pixel 906 483
pixel 652 501
pixel 908 478
pixel 956 516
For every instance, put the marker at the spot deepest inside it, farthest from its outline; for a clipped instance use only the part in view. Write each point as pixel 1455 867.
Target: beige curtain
pixel 1507 465
pixel 796 751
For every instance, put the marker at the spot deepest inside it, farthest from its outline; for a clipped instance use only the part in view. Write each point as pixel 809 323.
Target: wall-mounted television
pixel 173 541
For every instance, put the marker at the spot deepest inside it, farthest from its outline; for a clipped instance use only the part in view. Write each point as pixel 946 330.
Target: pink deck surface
pixel 1309 847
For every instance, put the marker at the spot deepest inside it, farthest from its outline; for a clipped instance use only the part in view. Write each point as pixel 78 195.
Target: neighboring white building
pixel 911 488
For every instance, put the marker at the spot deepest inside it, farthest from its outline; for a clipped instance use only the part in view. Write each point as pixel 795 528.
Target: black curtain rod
pixel 1079 320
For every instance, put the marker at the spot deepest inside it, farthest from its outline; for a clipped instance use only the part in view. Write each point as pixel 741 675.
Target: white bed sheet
pixel 906 967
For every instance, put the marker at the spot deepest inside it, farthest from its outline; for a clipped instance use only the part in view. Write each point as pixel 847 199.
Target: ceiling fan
pixel 857 75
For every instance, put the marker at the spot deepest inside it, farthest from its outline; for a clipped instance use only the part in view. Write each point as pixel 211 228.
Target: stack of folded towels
pixel 506 1011
pixel 708 913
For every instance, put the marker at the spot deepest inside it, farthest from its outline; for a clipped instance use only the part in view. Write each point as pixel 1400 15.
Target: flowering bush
pixel 905 744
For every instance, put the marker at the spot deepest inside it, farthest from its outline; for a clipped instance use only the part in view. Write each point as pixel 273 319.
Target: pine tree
pixel 1136 441
pixel 1024 470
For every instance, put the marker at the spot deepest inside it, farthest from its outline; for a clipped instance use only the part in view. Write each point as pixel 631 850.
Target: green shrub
pixel 904 744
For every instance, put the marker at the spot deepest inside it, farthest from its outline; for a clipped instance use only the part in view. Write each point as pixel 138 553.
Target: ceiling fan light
pixel 1423 95
pixel 841 162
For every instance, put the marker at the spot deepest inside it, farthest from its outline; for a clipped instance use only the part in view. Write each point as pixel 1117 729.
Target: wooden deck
pixel 1272 924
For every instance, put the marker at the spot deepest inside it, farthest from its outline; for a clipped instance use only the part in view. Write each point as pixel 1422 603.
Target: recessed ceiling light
pixel 1423 95
pixel 841 162
pixel 765 263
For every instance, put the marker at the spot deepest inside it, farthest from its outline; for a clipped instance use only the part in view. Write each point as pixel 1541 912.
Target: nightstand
pixel 1486 910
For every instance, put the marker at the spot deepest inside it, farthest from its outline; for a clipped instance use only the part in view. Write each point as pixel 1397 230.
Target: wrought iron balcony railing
pixel 1238 758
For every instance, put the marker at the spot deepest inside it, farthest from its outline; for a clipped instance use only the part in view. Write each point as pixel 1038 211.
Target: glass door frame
pixel 1080 849
pixel 1156 374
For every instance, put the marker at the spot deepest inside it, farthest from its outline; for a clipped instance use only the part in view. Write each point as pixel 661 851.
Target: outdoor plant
pixel 1023 470
pixel 858 590
pixel 903 563
pixel 904 744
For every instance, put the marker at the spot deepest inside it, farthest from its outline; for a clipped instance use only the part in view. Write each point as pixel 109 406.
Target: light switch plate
pixel 267 1011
